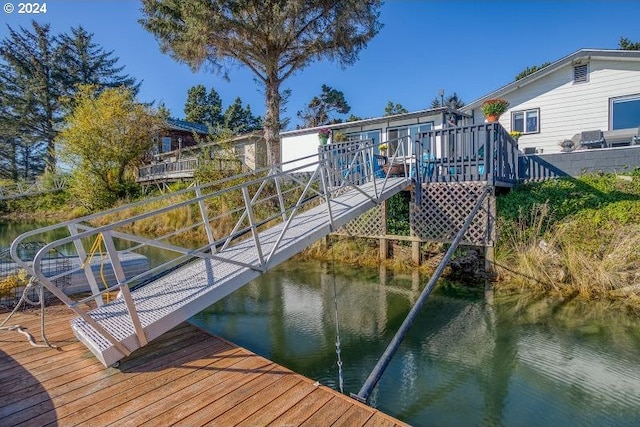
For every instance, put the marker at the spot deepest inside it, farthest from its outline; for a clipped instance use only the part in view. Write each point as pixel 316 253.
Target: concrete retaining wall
pixel 538 167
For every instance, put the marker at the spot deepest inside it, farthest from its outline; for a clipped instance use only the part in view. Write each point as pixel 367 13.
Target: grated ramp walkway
pixel 174 298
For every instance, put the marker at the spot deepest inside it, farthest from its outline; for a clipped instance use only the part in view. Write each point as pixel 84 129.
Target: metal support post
pixel 124 288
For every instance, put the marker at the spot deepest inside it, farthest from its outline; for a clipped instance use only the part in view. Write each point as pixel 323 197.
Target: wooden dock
pixel 185 377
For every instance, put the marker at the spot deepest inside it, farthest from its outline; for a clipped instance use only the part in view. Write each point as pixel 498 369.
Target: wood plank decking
pixel 185 377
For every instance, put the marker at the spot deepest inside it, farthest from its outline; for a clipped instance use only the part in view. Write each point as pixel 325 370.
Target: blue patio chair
pixel 378 165
pixel 427 166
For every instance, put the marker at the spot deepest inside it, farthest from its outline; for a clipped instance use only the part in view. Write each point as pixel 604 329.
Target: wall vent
pixel 580 73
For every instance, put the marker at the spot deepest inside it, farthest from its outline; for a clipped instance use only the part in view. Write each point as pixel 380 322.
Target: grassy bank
pixel 51 206
pixel 566 237
pixel 572 237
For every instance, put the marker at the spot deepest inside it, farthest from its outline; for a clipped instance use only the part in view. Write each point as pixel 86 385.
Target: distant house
pixel 182 145
pixel 178 134
pixel 589 90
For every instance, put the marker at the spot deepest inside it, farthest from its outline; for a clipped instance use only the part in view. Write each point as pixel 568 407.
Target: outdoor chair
pixel 592 139
pixel 636 138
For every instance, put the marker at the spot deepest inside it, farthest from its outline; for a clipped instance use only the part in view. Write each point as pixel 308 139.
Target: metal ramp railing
pixel 215 238
pixel 21 189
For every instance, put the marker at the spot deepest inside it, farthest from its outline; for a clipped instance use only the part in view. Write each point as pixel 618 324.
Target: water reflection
pixel 467 360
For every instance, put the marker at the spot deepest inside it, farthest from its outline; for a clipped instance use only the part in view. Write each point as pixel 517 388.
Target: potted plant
pixel 494 108
pixel 383 148
pixel 515 134
pixel 323 135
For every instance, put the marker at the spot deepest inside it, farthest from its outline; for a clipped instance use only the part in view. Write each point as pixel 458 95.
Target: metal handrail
pixel 293 193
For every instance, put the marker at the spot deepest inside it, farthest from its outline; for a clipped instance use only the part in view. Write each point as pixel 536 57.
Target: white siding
pixel 567 109
pixel 301 144
pixel 297 146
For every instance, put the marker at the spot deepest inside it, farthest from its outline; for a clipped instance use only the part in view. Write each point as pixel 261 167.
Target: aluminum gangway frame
pixel 217 238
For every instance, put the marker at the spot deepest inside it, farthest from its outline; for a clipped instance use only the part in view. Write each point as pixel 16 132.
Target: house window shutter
pixel 580 73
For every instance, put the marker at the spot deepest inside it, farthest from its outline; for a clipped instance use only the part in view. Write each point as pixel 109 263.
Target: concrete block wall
pixel 538 167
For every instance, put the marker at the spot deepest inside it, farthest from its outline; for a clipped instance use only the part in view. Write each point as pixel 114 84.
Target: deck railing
pixel 484 152
pixel 184 168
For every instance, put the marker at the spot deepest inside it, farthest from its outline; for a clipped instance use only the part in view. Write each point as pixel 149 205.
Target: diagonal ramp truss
pixel 214 238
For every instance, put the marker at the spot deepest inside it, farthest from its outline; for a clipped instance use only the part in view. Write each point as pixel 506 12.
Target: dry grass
pixel 571 259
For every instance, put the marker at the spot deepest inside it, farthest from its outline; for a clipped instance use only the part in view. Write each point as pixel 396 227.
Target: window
pixel 526 121
pixel 407 135
pixel 373 134
pixel 166 144
pixel 625 112
pixel 580 73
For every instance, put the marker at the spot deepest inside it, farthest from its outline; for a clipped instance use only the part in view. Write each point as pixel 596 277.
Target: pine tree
pixel 273 39
pixel 30 78
pixel 204 108
pixel 239 119
pixel 626 44
pixel 321 109
pixel 392 109
pixel 452 100
pixel 85 62
pixel 38 73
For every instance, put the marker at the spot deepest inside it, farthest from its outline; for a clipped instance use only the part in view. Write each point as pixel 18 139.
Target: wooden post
pixel 383 243
pixel 489 259
pixel 415 244
pixel 415 251
pixel 489 250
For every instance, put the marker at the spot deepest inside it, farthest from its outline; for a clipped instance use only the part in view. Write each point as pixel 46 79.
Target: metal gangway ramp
pixel 217 237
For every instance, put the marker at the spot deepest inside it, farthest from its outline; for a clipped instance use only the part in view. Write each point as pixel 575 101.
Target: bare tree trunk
pixel 272 120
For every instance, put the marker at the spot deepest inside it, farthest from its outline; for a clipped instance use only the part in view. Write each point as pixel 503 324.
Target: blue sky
pixel 470 47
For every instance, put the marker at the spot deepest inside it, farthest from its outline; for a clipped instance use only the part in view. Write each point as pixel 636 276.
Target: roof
pixel 176 124
pixel 622 55
pixel 370 121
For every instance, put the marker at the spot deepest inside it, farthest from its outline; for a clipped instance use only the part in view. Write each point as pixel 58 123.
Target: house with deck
pixel 579 114
pixel 181 146
pixel 591 91
pixel 394 133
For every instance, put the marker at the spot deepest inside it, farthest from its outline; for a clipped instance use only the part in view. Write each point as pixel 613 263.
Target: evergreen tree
pixel 85 62
pixel 392 109
pixel 321 109
pixel 239 119
pixel 30 78
pixel 38 72
pixel 626 44
pixel 530 70
pixel 163 112
pixel 273 39
pixel 204 108
pixel 452 100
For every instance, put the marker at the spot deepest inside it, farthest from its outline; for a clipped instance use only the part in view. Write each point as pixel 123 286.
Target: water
pixel 469 359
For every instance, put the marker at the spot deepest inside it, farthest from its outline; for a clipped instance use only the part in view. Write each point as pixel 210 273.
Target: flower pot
pixel 323 139
pixel 492 118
